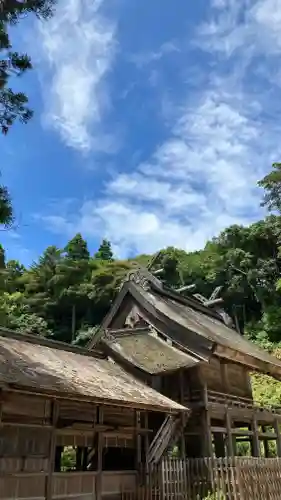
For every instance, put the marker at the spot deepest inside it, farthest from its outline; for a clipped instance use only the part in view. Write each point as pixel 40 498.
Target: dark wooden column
pixel 137 425
pixel 278 437
pixel 182 444
pixel 255 438
pixel 100 454
pixel 206 424
pixel 52 450
pixel 228 425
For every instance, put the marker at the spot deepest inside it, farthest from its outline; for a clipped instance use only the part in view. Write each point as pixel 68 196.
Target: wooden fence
pixel 210 479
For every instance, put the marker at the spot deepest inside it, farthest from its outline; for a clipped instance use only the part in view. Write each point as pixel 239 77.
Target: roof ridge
pixel 53 344
pixel 144 278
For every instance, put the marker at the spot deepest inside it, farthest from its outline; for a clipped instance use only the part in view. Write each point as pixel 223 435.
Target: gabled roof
pixel 52 368
pixel 143 349
pixel 198 329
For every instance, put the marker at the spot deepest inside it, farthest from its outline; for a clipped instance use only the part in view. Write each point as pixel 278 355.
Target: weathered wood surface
pixel 215 479
pixel 222 479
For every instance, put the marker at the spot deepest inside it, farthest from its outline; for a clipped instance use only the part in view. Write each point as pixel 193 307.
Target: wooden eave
pixel 189 338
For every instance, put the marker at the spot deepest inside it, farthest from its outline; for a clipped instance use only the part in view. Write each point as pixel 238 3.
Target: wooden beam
pixel 241 432
pixel 52 451
pixel 218 430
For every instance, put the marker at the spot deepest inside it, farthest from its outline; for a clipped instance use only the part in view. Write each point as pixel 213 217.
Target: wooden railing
pixel 231 400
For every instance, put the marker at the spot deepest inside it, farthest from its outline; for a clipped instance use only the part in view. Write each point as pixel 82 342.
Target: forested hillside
pixel 67 292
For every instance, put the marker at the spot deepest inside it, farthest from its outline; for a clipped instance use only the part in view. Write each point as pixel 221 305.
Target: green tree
pixel 13 105
pixel 77 249
pixel 271 184
pixel 105 251
pixel 14 272
pixel 6 211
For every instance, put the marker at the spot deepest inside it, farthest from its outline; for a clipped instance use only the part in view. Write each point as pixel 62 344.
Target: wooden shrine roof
pixel 147 351
pixel 199 329
pixel 52 368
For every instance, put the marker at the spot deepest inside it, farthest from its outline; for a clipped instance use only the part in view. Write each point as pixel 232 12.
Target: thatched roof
pixel 47 368
pixel 143 349
pixel 200 330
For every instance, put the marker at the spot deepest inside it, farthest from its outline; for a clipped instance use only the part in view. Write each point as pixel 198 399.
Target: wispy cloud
pixel 77 45
pixel 197 182
pixel 144 58
pixel 250 24
pixel 203 175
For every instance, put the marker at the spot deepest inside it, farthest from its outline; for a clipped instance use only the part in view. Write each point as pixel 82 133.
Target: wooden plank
pixel 52 450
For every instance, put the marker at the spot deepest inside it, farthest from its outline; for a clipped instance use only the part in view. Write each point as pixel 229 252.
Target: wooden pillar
pixel 278 439
pixel 100 454
pixel 207 444
pixel 137 426
pixel 146 439
pixel 255 439
pixel 265 444
pixel 183 421
pixel 52 451
pixel 1 405
pixel 224 376
pixel 228 424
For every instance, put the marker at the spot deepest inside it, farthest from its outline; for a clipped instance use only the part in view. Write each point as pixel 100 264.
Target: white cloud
pixel 77 46
pixel 203 176
pixel 144 58
pixel 133 228
pixel 200 180
pixel 250 26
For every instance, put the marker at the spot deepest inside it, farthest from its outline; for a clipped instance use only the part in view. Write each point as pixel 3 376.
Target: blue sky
pixel 153 122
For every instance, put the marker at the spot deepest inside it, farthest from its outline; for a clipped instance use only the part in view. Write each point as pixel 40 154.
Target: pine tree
pixel 104 252
pixel 13 105
pixel 6 211
pixel 77 249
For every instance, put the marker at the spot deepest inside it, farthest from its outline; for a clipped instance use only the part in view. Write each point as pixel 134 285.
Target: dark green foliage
pixel 104 252
pixel 271 184
pixel 77 249
pixel 13 105
pixel 6 211
pixel 67 293
pixel 30 323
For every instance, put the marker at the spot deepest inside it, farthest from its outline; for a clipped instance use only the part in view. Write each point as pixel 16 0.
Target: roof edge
pixel 254 363
pixel 53 344
pixel 95 400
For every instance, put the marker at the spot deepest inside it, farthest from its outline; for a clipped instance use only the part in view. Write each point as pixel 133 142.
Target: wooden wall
pixel 226 377
pixel 32 428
